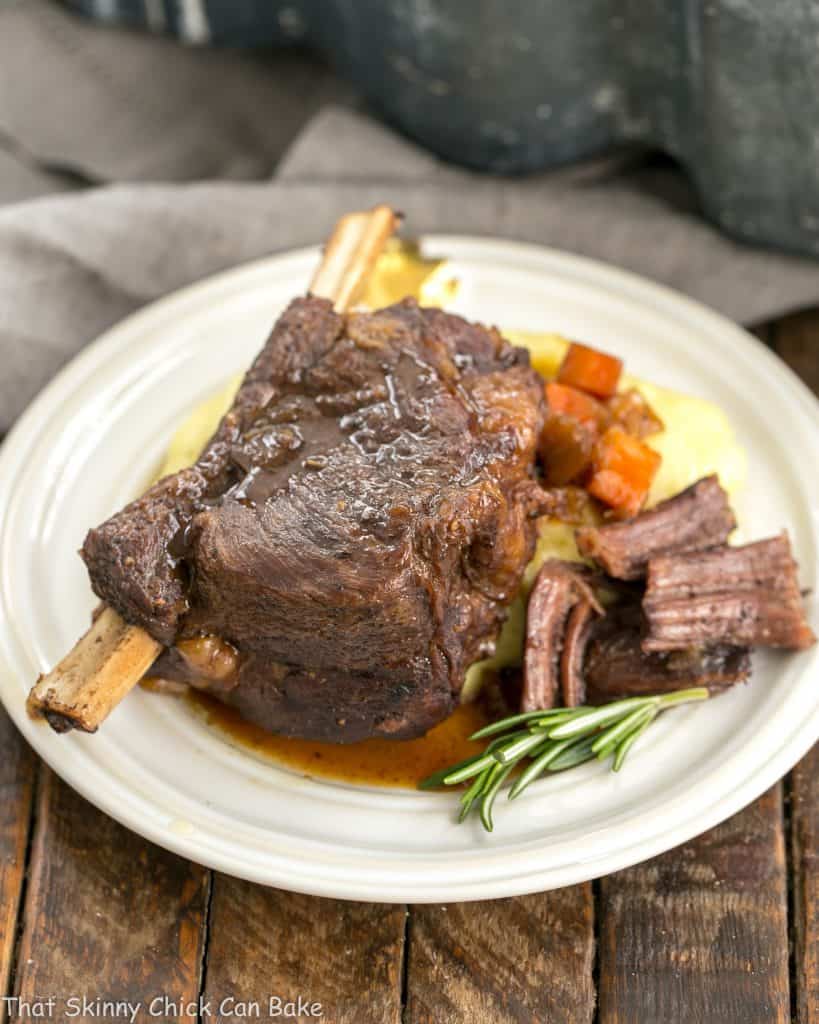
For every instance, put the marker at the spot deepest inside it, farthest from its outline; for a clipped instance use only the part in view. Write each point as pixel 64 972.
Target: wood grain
pixel 700 934
pixel 804 783
pixel 18 772
pixel 796 339
pixel 528 958
pixel 266 943
pixel 107 914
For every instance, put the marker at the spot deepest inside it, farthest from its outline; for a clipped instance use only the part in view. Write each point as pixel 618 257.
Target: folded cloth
pixel 72 265
pixel 108 106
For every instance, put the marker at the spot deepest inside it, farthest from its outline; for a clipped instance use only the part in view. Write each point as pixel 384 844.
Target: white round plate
pixel 94 437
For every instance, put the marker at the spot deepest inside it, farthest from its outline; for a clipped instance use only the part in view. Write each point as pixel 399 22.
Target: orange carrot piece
pixel 589 370
pixel 622 471
pixel 577 404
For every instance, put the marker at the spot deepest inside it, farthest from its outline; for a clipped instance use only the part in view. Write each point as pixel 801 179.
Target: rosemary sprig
pixel 552 741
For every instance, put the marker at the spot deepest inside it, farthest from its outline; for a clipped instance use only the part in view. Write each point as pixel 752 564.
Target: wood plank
pixel 265 943
pixel 804 783
pixel 18 773
pixel 796 339
pixel 529 958
pixel 107 914
pixel 700 933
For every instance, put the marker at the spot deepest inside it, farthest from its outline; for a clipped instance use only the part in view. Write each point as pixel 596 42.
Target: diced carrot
pixel 566 448
pixel 581 406
pixel 589 370
pixel 622 471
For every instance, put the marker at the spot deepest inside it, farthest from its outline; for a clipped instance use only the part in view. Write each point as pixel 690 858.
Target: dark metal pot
pixel 729 88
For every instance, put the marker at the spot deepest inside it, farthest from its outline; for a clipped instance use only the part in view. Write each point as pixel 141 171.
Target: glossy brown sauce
pixel 374 762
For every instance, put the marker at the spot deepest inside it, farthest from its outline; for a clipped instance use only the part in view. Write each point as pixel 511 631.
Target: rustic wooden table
pixel 724 929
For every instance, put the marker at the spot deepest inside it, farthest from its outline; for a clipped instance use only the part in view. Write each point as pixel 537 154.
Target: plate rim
pixel 518 881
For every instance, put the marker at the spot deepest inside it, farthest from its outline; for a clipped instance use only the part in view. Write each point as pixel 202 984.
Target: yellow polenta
pixel 697 439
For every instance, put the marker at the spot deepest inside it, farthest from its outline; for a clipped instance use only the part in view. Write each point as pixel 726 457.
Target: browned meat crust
pixel 698 517
pixel 616 666
pixel 558 588
pixel 736 595
pixel 355 529
pixel 135 558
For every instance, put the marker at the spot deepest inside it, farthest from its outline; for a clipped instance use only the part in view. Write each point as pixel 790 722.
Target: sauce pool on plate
pixel 377 762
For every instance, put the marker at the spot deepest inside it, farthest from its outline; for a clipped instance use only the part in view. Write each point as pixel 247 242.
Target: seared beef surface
pixel 355 528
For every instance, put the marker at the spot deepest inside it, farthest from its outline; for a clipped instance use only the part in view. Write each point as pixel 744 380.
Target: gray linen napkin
pixel 100 106
pixel 72 265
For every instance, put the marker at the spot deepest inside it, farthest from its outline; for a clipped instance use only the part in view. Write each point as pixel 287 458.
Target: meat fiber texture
pixel 355 528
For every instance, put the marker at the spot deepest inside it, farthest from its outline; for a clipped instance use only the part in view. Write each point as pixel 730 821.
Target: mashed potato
pixel 697 440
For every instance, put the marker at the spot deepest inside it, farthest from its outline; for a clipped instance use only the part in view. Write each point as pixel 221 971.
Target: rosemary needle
pixel 591 719
pixel 526 717
pixel 608 740
pixel 474 791
pixel 466 769
pixel 496 780
pixel 510 753
pixel 537 767
pixel 630 740
pixel 553 740
pixel 437 778
pixel 576 753
pixel 473 767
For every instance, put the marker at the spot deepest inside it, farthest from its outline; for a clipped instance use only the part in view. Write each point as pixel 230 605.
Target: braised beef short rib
pixel 738 595
pixel 697 518
pixel 616 666
pixel 354 531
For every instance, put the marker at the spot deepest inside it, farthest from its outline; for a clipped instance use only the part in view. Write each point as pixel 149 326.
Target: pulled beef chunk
pixel 616 666
pixel 355 529
pixel 578 630
pixel 572 505
pixel 736 595
pixel 632 412
pixel 558 588
pixel 698 517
